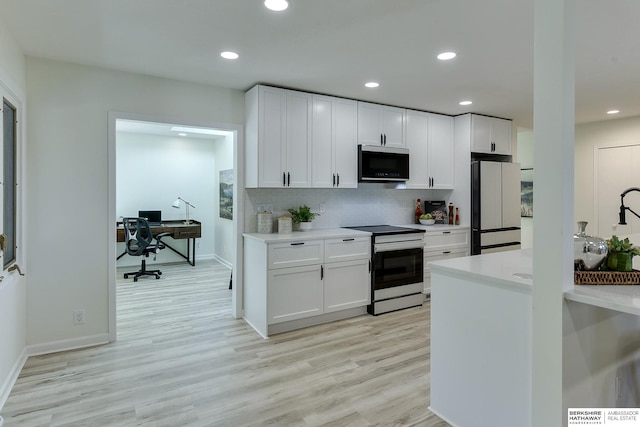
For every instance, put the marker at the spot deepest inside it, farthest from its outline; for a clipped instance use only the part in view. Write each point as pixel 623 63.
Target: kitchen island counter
pixel 481 315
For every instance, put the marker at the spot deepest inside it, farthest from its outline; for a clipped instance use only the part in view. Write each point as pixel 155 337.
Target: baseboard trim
pixel 315 320
pixel 223 262
pixel 11 379
pixel 65 345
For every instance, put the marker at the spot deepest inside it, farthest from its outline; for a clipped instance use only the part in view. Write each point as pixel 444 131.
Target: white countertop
pixel 623 298
pixel 314 234
pixel 514 269
pixel 510 269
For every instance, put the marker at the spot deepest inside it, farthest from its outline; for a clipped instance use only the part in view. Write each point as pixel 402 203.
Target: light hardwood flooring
pixel 182 360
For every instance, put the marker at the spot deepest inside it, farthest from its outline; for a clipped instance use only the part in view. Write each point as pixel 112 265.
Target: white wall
pixel 12 292
pixel 224 239
pixel 67 161
pixel 152 171
pixel 608 133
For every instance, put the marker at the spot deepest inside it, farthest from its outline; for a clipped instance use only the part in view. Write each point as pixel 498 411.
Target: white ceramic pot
pixel 305 226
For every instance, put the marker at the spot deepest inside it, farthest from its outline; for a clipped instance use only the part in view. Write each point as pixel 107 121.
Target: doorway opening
pixel 158 165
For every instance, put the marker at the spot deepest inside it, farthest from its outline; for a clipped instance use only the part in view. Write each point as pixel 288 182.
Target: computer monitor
pixel 153 217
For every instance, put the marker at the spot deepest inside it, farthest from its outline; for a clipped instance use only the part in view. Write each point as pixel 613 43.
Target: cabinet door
pixel 501 136
pixel 345 148
pixel 322 174
pixel 491 195
pixel 271 136
pixel 369 131
pixel 418 144
pixel 299 106
pixel 480 134
pixel 346 285
pixel 294 293
pixel 392 126
pixel 440 156
pixel 511 194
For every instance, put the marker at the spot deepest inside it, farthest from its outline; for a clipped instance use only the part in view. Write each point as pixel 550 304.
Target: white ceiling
pixel 335 46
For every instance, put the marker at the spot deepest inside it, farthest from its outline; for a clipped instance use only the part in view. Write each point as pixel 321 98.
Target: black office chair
pixel 139 242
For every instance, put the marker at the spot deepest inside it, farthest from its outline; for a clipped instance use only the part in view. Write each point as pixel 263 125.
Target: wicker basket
pixel 607 277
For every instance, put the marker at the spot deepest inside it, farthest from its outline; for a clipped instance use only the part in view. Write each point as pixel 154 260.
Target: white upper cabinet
pixel 381 125
pixel 490 135
pixel 278 138
pixel 429 139
pixel 334 143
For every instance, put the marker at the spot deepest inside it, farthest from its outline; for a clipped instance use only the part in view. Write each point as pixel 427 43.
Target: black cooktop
pixel 377 230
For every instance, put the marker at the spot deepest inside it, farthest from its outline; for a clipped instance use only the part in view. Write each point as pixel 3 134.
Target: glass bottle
pixel 450 213
pixel 418 211
pixel 457 217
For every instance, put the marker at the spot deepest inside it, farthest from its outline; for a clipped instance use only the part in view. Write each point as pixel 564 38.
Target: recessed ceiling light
pixel 229 55
pixel 444 56
pixel 372 84
pixel 276 5
pixel 613 111
pixel 182 134
pixel 465 102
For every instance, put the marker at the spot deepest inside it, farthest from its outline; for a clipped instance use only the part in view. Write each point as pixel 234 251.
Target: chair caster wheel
pixel 157 276
pixel 160 273
pixel 126 276
pixel 135 279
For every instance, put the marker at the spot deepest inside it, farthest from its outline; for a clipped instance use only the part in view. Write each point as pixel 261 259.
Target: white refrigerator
pixel 495 206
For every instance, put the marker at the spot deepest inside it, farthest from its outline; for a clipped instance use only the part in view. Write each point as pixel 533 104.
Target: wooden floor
pixel 182 360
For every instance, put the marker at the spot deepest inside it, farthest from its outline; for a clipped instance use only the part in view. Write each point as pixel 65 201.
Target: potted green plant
pixel 303 216
pixel 621 254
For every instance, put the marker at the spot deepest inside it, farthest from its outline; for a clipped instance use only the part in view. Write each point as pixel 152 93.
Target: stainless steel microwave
pixel 382 164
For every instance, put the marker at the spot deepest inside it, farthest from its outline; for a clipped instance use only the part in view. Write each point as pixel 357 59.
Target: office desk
pixel 177 229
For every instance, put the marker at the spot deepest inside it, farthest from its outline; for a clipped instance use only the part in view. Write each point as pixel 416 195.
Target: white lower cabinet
pixel 294 284
pixel 441 245
pixel 294 293
pixel 346 285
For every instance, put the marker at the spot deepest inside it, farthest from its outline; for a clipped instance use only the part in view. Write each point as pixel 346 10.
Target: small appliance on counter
pixel 437 209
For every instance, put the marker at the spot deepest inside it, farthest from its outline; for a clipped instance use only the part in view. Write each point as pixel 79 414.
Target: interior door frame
pixel 238 205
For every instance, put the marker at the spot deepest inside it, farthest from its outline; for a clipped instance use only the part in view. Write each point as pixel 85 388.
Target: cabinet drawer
pixel 440 255
pixel 347 248
pixel 436 239
pixel 499 237
pixel 292 254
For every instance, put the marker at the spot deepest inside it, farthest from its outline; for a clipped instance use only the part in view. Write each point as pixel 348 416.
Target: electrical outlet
pixel 78 317
pixel 264 207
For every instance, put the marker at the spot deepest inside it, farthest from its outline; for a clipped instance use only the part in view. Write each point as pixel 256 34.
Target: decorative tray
pixel 606 277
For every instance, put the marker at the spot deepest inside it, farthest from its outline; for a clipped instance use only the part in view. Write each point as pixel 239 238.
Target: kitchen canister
pixel 265 222
pixel 285 225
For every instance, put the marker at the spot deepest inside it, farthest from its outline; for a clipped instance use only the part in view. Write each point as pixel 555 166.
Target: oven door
pixel 397 267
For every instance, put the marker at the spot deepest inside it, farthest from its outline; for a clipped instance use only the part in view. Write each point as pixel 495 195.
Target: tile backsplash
pixel 370 204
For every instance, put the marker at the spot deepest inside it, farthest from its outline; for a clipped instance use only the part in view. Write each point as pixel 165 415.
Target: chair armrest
pixel 158 238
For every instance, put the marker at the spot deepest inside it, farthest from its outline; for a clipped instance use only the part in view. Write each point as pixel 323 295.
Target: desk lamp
pixel 624 208
pixel 177 204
